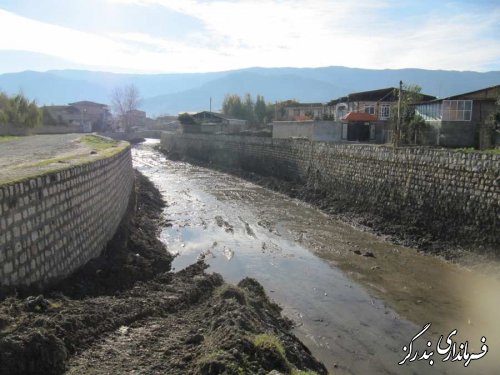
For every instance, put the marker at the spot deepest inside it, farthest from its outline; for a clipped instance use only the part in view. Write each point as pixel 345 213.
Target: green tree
pixel 232 106
pixel 414 128
pixel 410 124
pixel 492 127
pixel 270 112
pixel 4 102
pixel 186 119
pixel 260 109
pixel 248 109
pixel 255 112
pixel 19 111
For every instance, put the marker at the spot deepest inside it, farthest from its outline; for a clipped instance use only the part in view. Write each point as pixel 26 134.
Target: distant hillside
pixel 48 88
pixel 174 93
pixel 272 87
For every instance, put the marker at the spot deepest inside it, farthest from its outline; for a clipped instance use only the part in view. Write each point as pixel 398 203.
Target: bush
pixel 186 119
pixel 19 111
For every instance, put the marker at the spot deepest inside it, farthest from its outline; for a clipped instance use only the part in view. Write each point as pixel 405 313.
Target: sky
pixel 167 36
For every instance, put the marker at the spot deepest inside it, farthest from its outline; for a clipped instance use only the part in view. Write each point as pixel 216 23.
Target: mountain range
pixel 186 92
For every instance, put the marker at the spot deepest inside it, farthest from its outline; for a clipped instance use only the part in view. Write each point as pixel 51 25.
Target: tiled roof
pixel 466 95
pixel 358 116
pixel 88 103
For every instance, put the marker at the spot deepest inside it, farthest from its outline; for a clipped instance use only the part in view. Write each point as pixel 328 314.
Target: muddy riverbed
pixel 125 313
pixel 356 299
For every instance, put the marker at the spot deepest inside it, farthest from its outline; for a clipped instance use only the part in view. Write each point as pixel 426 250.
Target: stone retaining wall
pixel 453 196
pixel 122 136
pixel 52 224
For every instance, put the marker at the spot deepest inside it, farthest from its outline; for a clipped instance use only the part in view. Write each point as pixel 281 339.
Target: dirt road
pixel 22 157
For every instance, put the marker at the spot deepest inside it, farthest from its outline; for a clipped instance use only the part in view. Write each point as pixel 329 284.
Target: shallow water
pixel 349 309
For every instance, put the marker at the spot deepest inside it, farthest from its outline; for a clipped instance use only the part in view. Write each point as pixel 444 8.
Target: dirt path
pixel 22 157
pixel 124 312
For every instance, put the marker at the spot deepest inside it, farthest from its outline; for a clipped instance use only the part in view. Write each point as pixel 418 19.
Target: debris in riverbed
pixel 36 304
pixel 224 224
pixel 301 237
pixel 228 253
pixel 248 229
pixel 204 254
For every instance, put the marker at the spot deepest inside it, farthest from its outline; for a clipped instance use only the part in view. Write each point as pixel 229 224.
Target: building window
pixel 429 111
pixel 370 109
pixel 457 110
pixel 385 111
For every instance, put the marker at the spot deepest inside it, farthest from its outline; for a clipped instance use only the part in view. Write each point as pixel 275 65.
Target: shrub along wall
pixel 452 196
pixel 52 224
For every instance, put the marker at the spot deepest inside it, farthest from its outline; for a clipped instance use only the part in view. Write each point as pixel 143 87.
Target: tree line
pixel 256 112
pixel 410 126
pixel 17 110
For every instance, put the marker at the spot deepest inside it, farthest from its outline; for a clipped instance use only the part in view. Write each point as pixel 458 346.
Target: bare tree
pixel 123 101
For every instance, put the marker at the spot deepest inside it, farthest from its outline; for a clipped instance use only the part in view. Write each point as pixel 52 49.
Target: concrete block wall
pixel 327 131
pixel 51 225
pixel 454 196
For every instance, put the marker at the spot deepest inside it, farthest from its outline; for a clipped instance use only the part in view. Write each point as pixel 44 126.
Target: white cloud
pixel 360 34
pixel 274 33
pixel 34 36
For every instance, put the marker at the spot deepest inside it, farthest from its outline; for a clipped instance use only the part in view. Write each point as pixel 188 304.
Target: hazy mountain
pixel 272 87
pixel 11 60
pixel 148 84
pixel 173 93
pixel 48 88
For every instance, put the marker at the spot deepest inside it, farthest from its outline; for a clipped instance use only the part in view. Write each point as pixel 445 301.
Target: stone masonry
pixel 52 224
pixel 454 196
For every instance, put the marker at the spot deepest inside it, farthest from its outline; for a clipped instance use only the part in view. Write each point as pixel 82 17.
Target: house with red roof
pixel 358 117
pixel 376 103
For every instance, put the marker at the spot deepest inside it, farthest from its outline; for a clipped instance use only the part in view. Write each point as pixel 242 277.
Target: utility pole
pixel 398 125
pixel 210 104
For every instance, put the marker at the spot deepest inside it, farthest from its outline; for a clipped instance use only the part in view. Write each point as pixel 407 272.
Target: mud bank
pixel 409 232
pixel 422 197
pixel 124 312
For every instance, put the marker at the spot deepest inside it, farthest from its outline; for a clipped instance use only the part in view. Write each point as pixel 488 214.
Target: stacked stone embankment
pixel 52 224
pixel 449 195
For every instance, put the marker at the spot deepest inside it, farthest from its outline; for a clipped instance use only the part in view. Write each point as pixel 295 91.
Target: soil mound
pixel 124 312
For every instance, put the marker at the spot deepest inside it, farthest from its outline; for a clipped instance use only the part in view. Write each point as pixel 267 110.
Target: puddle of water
pixel 243 230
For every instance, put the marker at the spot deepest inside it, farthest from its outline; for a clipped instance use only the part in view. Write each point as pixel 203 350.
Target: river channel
pixel 355 298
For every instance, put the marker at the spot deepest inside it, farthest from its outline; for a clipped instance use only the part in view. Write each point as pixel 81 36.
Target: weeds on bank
pixel 270 342
pixel 6 138
pixel 205 362
pixel 99 143
pixel 228 291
